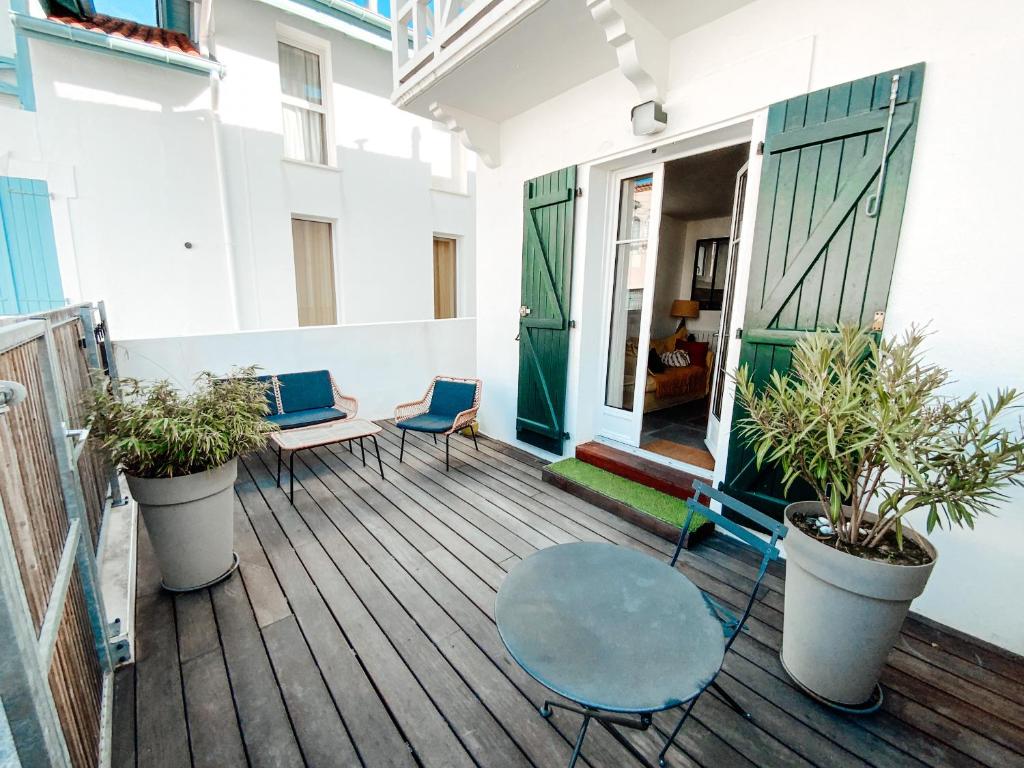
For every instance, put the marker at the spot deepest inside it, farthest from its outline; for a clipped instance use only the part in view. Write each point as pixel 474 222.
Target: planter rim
pixel 165 491
pixel 872 578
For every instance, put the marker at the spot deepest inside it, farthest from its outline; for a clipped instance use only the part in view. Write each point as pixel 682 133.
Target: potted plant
pixel 178 453
pixel 865 425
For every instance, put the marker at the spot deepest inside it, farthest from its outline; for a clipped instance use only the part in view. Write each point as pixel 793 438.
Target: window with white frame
pixel 303 104
pixel 313 252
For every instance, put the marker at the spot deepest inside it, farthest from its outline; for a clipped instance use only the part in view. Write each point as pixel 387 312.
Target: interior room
pixel 692 277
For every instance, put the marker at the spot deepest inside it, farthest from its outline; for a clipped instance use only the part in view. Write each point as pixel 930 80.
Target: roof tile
pixel 129 30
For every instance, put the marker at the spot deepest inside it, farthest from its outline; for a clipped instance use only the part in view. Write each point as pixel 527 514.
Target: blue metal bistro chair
pixel 449 406
pixel 731 625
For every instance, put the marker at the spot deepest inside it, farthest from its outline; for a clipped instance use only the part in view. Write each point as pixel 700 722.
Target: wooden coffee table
pixel 319 435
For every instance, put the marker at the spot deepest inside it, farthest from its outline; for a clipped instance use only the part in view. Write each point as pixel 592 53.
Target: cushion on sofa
pixel 427 422
pixel 697 350
pixel 305 391
pixel 451 398
pixel 306 418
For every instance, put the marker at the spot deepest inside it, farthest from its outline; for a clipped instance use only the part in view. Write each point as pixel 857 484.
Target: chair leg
pixel 401 451
pixel 446 438
pixel 724 696
pixel 579 741
pixel 473 433
pixel 434 435
pixel 662 761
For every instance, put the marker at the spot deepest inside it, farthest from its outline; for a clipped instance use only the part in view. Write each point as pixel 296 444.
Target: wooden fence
pixel 56 663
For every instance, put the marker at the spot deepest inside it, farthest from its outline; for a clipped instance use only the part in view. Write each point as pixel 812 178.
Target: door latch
pixel 524 310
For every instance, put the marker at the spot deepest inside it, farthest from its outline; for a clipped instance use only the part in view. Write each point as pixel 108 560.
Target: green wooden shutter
pixel 548 203
pixel 29 271
pixel 818 256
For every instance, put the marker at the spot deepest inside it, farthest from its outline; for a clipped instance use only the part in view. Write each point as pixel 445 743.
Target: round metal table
pixel 611 629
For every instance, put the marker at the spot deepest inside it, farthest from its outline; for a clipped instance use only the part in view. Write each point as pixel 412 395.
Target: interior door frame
pixel 617 423
pixel 725 323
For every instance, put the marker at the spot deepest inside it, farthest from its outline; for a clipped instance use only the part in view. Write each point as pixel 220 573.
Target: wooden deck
pixel 359 631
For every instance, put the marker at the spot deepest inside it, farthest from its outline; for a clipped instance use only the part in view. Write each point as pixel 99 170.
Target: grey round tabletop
pixel 609 627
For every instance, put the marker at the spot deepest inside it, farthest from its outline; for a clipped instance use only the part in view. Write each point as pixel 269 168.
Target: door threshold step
pixel 674 482
pixel 616 500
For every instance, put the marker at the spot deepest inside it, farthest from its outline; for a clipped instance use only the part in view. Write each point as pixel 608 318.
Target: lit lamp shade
pixel 685 308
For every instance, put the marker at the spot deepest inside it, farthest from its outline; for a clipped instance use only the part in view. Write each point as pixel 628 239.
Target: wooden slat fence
pixel 56 665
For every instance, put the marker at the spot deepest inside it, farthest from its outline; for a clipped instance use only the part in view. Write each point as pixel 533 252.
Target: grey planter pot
pixel 842 614
pixel 189 520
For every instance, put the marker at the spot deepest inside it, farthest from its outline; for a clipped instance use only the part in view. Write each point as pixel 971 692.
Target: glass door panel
pixel 631 236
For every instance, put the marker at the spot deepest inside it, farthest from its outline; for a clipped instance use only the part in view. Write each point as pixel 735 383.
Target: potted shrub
pixel 865 425
pixel 178 453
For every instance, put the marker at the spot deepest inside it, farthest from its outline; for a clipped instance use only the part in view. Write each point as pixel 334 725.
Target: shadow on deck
pixel 359 631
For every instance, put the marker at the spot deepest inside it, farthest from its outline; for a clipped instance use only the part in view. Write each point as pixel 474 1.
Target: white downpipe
pixel 205 34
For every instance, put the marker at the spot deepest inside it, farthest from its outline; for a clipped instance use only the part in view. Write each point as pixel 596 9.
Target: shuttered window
pixel 303 104
pixel 314 272
pixel 445 278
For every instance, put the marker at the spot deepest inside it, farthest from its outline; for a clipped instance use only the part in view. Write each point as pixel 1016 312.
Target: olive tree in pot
pixel 178 452
pixel 865 425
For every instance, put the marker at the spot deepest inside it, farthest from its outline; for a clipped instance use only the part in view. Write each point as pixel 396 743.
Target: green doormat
pixel 653 502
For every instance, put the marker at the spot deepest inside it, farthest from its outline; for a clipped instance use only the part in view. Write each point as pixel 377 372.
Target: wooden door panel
pixel 819 257
pixel 548 205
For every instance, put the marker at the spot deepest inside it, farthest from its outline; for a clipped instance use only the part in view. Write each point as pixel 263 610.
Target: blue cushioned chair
pixel 450 405
pixel 306 398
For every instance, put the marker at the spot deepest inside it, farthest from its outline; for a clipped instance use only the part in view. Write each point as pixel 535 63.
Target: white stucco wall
pixel 128 151
pixel 963 187
pixel 379 197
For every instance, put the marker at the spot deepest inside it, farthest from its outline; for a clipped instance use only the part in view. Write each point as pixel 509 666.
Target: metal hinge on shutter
pixel 579 191
pixel 760 148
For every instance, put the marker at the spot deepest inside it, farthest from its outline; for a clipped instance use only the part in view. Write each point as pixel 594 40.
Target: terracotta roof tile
pixel 129 30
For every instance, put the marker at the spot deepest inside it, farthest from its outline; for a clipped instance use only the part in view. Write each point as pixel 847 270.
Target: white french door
pixel 721 354
pixel 629 296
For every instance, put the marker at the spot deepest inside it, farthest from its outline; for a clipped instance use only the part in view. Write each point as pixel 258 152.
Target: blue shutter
pixel 29 273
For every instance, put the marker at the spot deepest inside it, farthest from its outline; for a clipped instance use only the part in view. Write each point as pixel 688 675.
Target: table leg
pixel 380 464
pixel 579 741
pixel 291 478
pixel 362 449
pixel 279 466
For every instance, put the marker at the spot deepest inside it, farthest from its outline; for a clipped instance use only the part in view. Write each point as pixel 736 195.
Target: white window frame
pixel 321 48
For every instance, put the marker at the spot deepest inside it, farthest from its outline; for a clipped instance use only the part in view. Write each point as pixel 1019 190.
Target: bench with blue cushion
pixel 450 405
pixel 306 398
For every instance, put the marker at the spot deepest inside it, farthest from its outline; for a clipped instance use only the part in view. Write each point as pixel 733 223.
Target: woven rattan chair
pixel 449 406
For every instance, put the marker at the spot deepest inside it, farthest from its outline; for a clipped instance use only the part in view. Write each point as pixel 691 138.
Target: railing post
pixel 74 502
pixel 108 348
pixel 32 725
pixel 92 354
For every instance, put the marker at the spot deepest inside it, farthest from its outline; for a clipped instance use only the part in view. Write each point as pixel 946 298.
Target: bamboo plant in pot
pixel 865 425
pixel 178 452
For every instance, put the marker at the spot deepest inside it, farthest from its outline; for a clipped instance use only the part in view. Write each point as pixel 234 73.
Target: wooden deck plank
pixel 322 735
pixel 376 737
pixel 361 619
pixel 266 728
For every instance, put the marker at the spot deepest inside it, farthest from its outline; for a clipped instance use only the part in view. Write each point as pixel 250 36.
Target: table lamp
pixel 684 308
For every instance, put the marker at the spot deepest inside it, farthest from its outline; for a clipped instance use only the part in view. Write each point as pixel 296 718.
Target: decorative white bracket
pixel 477 134
pixel 641 49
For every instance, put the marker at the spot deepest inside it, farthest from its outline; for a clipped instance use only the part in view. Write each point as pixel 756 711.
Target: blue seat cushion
pixel 306 418
pixel 451 398
pixel 305 391
pixel 427 422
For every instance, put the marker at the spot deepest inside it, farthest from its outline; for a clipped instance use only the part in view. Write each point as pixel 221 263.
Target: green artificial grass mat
pixel 649 500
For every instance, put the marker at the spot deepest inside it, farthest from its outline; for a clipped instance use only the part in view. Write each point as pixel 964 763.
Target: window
pixel 445 281
pixel 303 104
pixel 314 272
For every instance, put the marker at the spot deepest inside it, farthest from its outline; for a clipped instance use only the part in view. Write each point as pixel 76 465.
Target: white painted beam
pixel 476 133
pixel 642 50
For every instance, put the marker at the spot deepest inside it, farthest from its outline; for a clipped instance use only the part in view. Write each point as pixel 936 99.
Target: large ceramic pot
pixel 189 520
pixel 842 613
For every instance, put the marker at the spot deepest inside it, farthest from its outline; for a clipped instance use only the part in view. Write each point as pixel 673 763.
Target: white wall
pixel 964 183
pixel 128 150
pixel 361 358
pixel 379 197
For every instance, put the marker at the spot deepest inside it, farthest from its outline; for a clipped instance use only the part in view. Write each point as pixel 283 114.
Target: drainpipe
pixel 205 33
